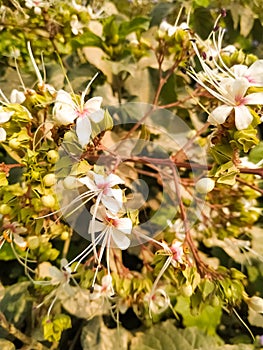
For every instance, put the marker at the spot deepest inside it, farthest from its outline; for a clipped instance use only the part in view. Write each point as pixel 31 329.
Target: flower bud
pixel 52 156
pixel 48 201
pixel 14 143
pixel 5 209
pixel 49 180
pixel 205 185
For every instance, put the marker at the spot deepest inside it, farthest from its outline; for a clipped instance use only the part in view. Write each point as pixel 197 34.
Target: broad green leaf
pixel 6 252
pixel 136 24
pixel 256 154
pixel 96 336
pixel 207 319
pixel 86 39
pixel 16 303
pixel 160 11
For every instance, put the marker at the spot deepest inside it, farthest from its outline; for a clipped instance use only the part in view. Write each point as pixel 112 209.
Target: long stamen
pixel 84 93
pixel 84 253
pixel 106 231
pixel 38 74
pixel 96 206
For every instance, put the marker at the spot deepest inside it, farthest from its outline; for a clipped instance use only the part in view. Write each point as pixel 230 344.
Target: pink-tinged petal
pixel 239 70
pixel 111 204
pixel 254 99
pixel 99 180
pixel 93 104
pixel 239 88
pixel 120 239
pixel 124 225
pixel 255 73
pixel 5 116
pixel 243 117
pixel 88 183
pixel 219 115
pixel 106 281
pixel 2 135
pixel 114 179
pixel 83 131
pixel 97 116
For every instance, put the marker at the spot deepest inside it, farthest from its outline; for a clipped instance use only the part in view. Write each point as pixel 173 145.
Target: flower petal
pixel 120 239
pixel 98 227
pixel 64 110
pixel 254 73
pixel 2 134
pixel 239 70
pixel 239 88
pixel 254 99
pixel 124 225
pixel 5 116
pixel 116 193
pixel 97 116
pixel 114 179
pixel 17 96
pixel 111 204
pixel 219 115
pixel 83 130
pixel 93 104
pixel 243 117
pixel 86 180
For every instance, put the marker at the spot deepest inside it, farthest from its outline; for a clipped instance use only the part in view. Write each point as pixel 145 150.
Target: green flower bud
pixel 64 235
pixel 48 201
pixel 52 156
pixel 5 209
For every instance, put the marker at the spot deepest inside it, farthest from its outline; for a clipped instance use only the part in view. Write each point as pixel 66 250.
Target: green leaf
pixel 16 303
pixel 247 138
pixel 6 252
pixel 136 24
pixel 159 12
pixel 53 328
pixel 96 336
pixel 256 154
pixel 86 39
pixel 207 319
pixel 166 336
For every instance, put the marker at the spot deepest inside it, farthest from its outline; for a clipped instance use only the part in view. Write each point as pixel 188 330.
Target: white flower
pixel 66 110
pixel 76 25
pixel 254 73
pixel 165 27
pixel 233 95
pixel 229 86
pixel 36 4
pixel 110 197
pixel 104 290
pixel 177 252
pixel 113 228
pixel 158 301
